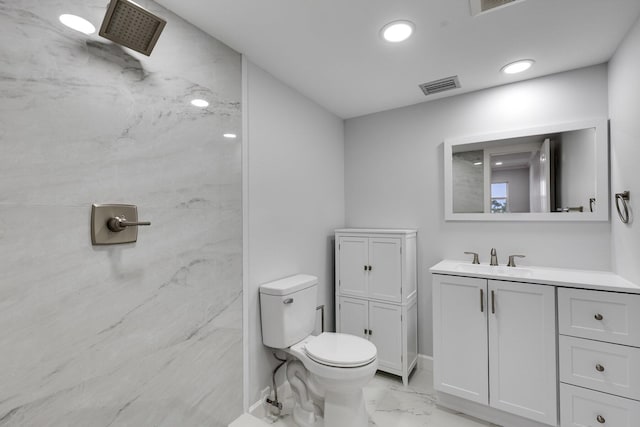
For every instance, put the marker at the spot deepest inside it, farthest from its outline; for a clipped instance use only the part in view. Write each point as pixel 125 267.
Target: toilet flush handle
pixel 288 301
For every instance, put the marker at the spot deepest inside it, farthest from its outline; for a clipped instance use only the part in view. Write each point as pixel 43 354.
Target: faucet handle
pixel 475 257
pixel 512 262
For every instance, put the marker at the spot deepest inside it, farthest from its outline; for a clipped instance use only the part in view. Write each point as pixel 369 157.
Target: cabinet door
pixel 522 350
pixel 385 277
pixel 460 337
pixel 386 334
pixel 353 317
pixel 353 259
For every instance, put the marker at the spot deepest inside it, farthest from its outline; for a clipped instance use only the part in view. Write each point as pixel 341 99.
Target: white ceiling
pixel 330 50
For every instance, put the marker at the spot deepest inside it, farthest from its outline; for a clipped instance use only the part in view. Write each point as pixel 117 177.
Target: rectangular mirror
pixel 551 173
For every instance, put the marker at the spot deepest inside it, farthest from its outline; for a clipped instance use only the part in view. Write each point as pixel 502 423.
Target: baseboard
pixel 257 409
pixel 425 363
pixel 483 412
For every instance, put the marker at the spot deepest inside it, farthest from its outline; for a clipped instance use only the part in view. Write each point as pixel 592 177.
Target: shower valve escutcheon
pixel 113 224
pixel 119 223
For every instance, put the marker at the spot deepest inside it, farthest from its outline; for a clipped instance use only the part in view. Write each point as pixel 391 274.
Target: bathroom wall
pixel 137 334
pixel 295 199
pixel 624 107
pixel 394 176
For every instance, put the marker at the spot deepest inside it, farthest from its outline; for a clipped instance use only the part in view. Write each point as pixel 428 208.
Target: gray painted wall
pixel 624 105
pixel 295 199
pixel 394 176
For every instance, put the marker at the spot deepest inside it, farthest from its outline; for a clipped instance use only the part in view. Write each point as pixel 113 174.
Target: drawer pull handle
pixel 600 419
pixel 599 368
pixel 598 316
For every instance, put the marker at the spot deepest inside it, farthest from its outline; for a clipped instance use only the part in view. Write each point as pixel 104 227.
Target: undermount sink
pixel 494 270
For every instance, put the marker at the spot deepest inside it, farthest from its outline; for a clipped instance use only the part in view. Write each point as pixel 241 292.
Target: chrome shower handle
pixel 118 224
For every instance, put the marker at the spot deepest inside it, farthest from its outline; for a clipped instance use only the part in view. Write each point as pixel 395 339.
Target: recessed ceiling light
pixel 498 163
pixel 397 31
pixel 230 135
pixel 201 103
pixel 477 163
pixel 77 23
pixel 518 66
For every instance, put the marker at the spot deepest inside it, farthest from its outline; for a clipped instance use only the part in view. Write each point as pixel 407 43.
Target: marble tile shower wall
pixel 145 334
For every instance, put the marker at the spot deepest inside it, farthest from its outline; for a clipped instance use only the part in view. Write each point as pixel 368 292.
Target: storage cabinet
pixel 380 323
pixel 376 283
pixel 495 344
pixel 599 358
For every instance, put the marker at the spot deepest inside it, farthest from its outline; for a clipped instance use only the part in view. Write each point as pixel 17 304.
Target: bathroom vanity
pixel 536 346
pixel 376 293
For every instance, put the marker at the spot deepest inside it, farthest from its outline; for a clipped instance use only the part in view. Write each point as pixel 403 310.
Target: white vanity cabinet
pixel 376 293
pixel 512 344
pixel 495 344
pixel 599 358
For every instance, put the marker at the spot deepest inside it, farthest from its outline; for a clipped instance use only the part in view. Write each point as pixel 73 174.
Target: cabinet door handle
pixel 481 300
pixel 599 368
pixel 365 332
pixel 365 268
pixel 598 316
pixel 600 419
pixel 493 302
pixel 370 332
pixel 369 268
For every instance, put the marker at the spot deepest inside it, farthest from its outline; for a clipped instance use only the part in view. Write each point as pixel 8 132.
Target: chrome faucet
pixel 512 262
pixel 475 257
pixel 494 257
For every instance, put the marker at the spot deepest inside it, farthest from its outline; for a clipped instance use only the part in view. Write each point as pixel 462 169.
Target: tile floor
pixel 390 404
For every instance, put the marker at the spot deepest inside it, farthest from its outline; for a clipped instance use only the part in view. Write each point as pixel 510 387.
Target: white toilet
pixel 327 372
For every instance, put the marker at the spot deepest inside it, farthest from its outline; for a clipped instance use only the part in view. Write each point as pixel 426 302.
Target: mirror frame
pixel 601 174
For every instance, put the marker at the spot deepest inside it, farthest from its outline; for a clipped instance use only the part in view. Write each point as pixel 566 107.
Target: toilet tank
pixel 288 310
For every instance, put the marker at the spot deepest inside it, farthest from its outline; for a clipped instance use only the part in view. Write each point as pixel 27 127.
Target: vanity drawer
pixel 605 316
pixel 600 366
pixel 580 407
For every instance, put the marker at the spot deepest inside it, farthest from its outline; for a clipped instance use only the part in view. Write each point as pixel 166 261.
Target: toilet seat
pixel 340 350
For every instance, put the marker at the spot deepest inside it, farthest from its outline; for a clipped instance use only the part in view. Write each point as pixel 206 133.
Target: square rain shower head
pixel 132 26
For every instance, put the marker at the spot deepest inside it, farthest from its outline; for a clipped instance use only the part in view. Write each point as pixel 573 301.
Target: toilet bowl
pixel 326 372
pixel 341 365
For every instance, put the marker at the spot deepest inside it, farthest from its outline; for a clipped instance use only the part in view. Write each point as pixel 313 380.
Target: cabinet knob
pixel 600 419
pixel 369 268
pixel 365 268
pixel 598 316
pixel 370 332
pixel 599 368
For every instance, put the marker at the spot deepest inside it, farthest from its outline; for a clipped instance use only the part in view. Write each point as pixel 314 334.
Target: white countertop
pixel 586 279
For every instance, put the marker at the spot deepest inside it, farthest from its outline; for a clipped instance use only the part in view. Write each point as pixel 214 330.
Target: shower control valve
pixel 119 223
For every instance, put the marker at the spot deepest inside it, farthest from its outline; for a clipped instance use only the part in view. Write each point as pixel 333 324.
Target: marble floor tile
pixel 391 404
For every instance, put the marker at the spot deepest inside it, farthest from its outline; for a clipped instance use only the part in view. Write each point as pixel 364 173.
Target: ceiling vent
pixel 480 6
pixel 440 85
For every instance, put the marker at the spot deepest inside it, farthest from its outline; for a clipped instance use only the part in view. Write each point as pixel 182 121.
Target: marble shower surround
pixel 145 334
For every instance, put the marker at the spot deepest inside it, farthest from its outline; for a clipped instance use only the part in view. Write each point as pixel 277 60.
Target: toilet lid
pixel 341 350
